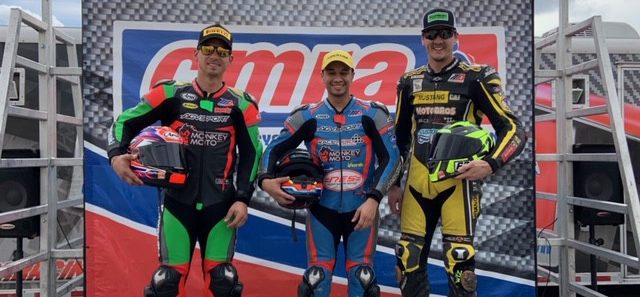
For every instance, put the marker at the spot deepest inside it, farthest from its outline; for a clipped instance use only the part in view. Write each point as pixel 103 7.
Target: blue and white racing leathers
pixel 356 147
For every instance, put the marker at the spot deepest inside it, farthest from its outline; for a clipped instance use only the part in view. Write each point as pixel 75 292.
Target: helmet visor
pixel 162 155
pixel 453 146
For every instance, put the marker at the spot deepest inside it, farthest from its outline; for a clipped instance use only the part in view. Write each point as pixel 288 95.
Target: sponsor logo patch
pixel 431 97
pixel 204 118
pixel 348 179
pixel 355 165
pixel 424 135
pixel 326 154
pixel 457 78
pixel 355 113
pixel 436 110
pixel 190 105
pixel 225 102
pixel 417 85
pixel 189 96
pixel 226 110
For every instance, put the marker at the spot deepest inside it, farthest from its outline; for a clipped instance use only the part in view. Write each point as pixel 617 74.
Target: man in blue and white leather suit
pixel 354 141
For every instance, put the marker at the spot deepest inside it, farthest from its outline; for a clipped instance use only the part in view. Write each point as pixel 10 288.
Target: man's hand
pixel 365 214
pixel 474 170
pixel 121 165
pixel 237 215
pixel 273 187
pixel 395 199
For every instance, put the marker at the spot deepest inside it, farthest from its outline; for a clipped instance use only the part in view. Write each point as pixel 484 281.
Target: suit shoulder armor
pixel 250 98
pixel 236 92
pixel 241 94
pixel 416 71
pixel 489 72
pixel 299 108
pixel 470 67
pixel 379 105
pixel 164 82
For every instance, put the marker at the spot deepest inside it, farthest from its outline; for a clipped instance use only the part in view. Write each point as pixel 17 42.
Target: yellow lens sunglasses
pixel 208 50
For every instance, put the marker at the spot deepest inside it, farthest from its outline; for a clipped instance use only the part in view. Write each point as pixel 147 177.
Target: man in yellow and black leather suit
pixel 444 91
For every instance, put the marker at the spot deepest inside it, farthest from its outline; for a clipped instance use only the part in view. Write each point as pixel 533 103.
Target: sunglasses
pixel 208 50
pixel 443 33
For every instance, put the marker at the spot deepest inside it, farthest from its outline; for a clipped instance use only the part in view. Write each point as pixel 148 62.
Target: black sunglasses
pixel 443 33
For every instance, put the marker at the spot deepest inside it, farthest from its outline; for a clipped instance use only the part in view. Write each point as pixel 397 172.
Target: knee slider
pixel 458 248
pixel 460 255
pixel 367 279
pixel 224 281
pixel 310 281
pixel 459 252
pixel 164 283
pixel 408 251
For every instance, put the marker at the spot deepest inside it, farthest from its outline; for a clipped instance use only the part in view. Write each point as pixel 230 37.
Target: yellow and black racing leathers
pixel 427 101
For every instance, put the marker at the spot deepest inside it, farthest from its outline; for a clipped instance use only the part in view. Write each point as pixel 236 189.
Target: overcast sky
pixel 546 12
pixel 65 12
pixel 68 12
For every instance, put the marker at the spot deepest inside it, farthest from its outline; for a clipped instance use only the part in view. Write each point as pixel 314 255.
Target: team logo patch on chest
pixel 431 97
pixel 343 180
pixel 190 105
pixel 457 78
pixel 417 84
pixel 354 140
pixel 197 137
pixel 327 154
pixel 225 103
pixel 226 110
pixel 189 96
pixel 435 110
pixel 204 118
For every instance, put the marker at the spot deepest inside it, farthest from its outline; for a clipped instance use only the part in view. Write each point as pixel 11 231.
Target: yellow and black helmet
pixel 454 145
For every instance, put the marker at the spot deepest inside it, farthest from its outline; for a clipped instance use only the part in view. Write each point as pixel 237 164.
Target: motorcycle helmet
pixel 305 178
pixel 160 161
pixel 455 145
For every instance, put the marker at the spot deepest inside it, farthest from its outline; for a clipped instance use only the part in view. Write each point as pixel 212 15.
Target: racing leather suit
pixel 427 101
pixel 212 125
pixel 357 150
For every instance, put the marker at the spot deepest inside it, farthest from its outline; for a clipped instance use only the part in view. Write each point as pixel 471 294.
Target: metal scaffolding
pixel 49 74
pixel 564 115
